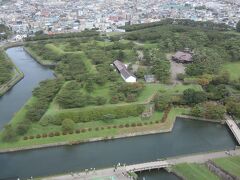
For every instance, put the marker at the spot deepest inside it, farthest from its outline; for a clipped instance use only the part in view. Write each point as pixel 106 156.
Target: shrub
pixel 121 126
pixel 96 128
pixel 133 124
pixel 126 125
pixel 83 130
pixel 102 128
pixel 156 122
pixel 44 135
pixel 114 126
pixel 9 134
pixel 25 138
pixel 145 123
pixel 89 129
pixel 38 136
pixel 31 137
pixel 77 131
pixel 139 124
pixel 64 133
pixel 51 134
pixel 109 127
pixel 57 134
pixel 70 132
pixel 22 128
pixel 68 125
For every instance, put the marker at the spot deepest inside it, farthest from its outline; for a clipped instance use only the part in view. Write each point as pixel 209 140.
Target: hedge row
pixel 78 131
pixel 93 114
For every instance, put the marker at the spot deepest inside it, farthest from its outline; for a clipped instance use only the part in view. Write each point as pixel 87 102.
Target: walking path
pixel 121 173
pixel 105 174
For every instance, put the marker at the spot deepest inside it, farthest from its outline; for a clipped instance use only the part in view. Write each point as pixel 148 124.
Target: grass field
pixel 194 172
pixel 38 129
pixel 230 164
pixel 233 69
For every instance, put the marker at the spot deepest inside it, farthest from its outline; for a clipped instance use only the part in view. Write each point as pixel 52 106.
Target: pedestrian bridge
pixel 234 128
pixel 147 166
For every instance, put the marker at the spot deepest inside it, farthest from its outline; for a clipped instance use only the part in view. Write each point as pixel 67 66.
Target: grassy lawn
pixel 194 172
pixel 54 49
pixel 90 67
pixel 230 164
pixel 233 69
pixel 38 129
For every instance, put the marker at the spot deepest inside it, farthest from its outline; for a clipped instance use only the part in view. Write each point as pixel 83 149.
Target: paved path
pixel 121 172
pixel 202 158
pixel 104 174
pixel 175 69
pixel 234 128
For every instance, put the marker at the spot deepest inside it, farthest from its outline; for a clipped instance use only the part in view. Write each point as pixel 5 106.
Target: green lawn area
pixel 230 164
pixel 38 129
pixel 194 172
pixel 90 67
pixel 150 89
pixel 54 49
pixel 233 69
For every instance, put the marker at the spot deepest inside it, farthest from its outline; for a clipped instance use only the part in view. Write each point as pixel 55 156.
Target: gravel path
pixel 176 68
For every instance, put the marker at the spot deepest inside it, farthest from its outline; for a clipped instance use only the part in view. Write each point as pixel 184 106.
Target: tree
pixel 9 133
pixel 23 128
pixel 233 106
pixel 100 100
pixel 190 96
pixel 238 26
pixel 210 110
pixel 162 102
pixel 68 125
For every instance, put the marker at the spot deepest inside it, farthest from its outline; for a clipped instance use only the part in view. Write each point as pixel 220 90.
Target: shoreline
pixel 18 75
pixel 37 59
pixel 97 139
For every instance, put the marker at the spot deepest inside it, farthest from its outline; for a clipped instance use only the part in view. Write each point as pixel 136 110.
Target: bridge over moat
pixel 234 128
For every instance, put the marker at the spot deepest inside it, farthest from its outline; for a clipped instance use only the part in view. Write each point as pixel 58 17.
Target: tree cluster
pixel 6 68
pixel 127 92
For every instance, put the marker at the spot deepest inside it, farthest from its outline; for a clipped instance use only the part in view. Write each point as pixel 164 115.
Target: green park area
pixel 194 172
pixel 89 98
pixel 233 69
pixel 230 164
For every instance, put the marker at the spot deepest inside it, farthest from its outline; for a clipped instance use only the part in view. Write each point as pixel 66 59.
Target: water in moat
pixel 188 136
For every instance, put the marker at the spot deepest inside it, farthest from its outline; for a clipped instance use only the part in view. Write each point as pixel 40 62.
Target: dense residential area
pixel 153 96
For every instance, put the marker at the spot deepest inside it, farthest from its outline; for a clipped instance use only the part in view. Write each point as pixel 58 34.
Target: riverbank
pixel 73 139
pixel 38 59
pixel 17 74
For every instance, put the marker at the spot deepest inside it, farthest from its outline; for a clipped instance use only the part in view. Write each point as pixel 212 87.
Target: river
pixel 188 136
pixel 34 73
